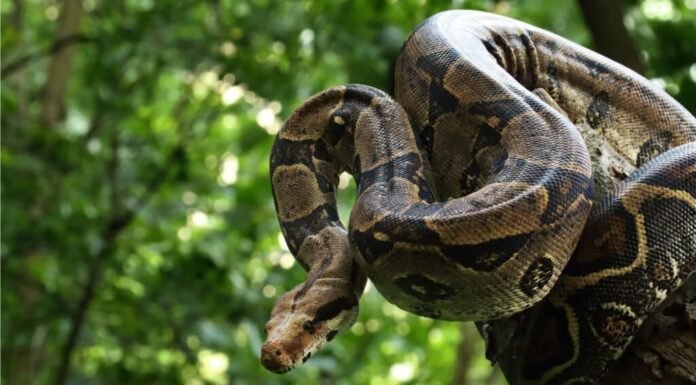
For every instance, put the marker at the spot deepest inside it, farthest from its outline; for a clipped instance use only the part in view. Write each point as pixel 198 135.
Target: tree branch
pixel 57 46
pixel 112 230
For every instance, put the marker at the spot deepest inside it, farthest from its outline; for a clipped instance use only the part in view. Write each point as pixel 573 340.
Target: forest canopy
pixel 139 237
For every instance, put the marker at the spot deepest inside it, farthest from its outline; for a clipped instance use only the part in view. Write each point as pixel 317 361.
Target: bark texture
pixel 465 353
pixel 53 110
pixel 604 18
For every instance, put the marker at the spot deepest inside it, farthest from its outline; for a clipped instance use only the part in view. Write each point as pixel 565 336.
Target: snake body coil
pixel 474 189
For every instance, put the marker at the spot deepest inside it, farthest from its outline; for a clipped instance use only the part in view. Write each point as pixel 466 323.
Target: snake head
pixel 304 319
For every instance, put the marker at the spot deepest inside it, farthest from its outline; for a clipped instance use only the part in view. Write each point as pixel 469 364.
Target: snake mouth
pixel 277 365
pixel 280 368
pixel 278 360
pixel 306 357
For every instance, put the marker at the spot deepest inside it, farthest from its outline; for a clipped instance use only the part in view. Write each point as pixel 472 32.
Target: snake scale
pixel 475 186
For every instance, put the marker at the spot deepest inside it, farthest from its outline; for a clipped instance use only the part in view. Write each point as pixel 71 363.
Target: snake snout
pixel 275 359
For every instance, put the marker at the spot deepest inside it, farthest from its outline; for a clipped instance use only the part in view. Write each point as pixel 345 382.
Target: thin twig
pixel 56 47
pixel 115 226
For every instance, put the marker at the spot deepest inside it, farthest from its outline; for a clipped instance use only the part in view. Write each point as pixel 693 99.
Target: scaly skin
pixel 473 189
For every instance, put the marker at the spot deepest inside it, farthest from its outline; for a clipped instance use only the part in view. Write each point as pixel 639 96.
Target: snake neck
pixel 315 311
pixel 312 148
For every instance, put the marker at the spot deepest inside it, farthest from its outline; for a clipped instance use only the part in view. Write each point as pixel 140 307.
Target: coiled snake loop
pixel 475 196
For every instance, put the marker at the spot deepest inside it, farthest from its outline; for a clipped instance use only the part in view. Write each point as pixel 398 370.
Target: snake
pixel 512 172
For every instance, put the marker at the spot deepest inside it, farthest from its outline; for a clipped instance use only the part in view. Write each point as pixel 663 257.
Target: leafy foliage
pixel 148 208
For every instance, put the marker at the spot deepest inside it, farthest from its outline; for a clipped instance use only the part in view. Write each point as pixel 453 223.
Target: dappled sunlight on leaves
pixel 155 183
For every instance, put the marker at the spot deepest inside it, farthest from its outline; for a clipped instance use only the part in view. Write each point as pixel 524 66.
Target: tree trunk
pixel 23 361
pixel 53 110
pixel 465 352
pixel 604 18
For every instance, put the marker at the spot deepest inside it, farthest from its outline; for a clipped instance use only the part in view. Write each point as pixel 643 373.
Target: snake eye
pixel 308 326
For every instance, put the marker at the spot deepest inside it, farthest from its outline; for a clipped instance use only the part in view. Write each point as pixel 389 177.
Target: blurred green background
pixel 139 239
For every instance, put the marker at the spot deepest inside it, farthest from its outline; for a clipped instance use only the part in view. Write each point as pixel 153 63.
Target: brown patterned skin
pixel 473 191
pixel 639 245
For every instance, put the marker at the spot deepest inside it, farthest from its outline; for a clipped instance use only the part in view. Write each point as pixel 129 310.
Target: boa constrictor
pixel 473 192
